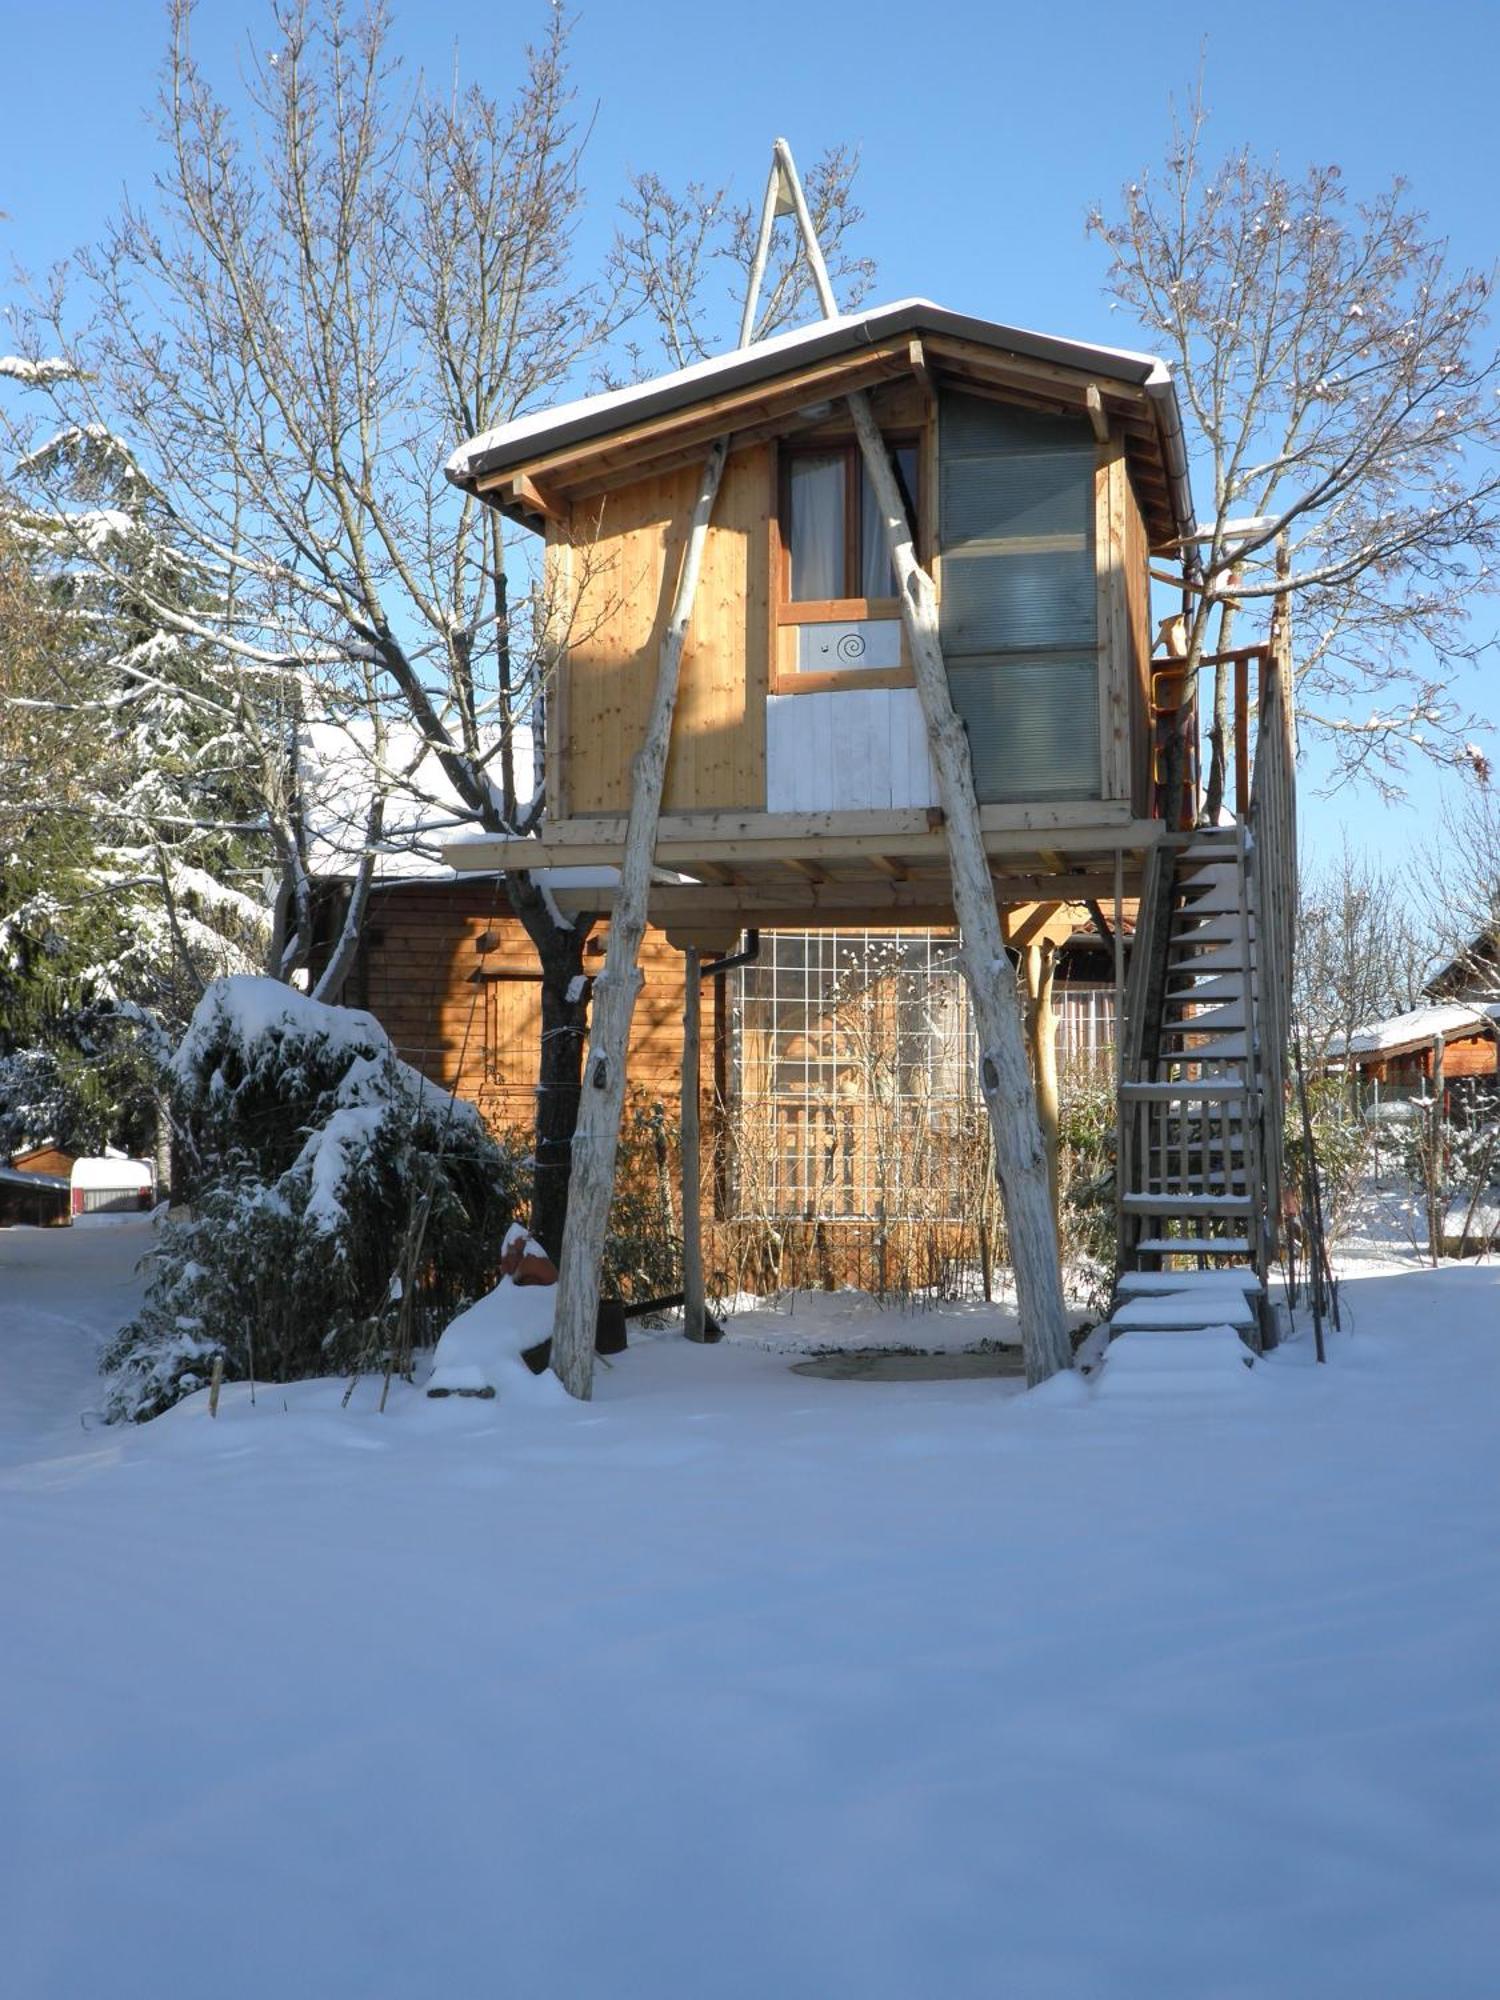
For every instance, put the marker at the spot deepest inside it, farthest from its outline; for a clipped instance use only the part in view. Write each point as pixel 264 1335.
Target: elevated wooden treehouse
pixel 1039 478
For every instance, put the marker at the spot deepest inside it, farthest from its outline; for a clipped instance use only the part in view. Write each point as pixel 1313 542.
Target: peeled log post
pixel 1005 1077
pixel 596 1137
pixel 692 1186
pixel 1020 1157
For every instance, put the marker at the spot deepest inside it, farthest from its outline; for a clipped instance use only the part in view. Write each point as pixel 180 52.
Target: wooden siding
pixel 619 557
pixel 627 548
pixel 1124 632
pixel 43 1160
pixel 427 973
pixel 1137 559
pixel 1463 1056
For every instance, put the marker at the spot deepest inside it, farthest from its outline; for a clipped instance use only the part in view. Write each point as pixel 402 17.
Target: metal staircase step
pixel 1212 840
pixel 1216 898
pixel 1217 957
pixel 1222 1049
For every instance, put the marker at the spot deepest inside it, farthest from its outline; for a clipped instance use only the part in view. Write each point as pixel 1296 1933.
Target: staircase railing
pixel 1155 1120
pixel 1273 873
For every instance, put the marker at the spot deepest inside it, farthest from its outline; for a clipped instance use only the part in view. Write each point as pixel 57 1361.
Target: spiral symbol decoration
pixel 851 646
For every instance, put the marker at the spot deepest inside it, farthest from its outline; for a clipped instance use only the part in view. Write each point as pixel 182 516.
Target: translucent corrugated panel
pixel 1025 601
pixel 1020 597
pixel 978 423
pixel 1033 726
pixel 1000 496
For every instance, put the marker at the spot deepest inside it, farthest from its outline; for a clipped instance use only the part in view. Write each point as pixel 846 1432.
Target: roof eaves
pixel 511 445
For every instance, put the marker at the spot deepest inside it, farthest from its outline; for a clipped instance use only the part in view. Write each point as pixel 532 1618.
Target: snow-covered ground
pixel 736 1683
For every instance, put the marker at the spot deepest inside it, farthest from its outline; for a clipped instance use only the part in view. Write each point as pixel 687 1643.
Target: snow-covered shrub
pixel 311 1156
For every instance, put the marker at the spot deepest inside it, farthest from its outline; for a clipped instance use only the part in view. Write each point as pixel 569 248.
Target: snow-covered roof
pixel 112 1173
pixel 422 815
pixel 1418 1029
pixel 783 353
pixel 16 1177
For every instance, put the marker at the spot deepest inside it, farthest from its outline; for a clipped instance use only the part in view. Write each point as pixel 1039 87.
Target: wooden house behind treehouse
pixel 1039 476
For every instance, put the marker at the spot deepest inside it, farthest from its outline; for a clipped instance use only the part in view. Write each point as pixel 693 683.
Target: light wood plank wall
pixel 1124 631
pixel 627 549
pixel 424 945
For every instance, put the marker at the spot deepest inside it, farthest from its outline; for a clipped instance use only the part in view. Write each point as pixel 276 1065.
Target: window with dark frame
pixel 836 591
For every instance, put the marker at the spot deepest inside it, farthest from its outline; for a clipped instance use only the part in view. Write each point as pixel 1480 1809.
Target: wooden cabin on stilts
pixel 855 629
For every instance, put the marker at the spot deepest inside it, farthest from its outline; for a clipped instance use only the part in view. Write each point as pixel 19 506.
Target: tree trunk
pixel 1218 735
pixel 1005 1079
pixel 1218 748
pixel 603 1097
pixel 565 1011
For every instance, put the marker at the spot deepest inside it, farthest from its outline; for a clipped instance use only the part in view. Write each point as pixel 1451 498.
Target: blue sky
pixel 985 133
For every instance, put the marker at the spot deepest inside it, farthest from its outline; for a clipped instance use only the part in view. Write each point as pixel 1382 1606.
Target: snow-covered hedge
pixel 308 1147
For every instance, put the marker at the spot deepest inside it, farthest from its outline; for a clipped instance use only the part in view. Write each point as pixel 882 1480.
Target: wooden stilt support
pixel 692 1172
pixel 1005 1077
pixel 596 1136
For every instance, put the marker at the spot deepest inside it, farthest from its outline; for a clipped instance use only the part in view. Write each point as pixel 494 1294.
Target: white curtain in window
pixel 817 510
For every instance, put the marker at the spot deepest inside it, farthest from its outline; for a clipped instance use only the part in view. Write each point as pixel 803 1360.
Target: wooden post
pixel 1005 1078
pixel 1040 962
pixel 596 1137
pixel 692 1183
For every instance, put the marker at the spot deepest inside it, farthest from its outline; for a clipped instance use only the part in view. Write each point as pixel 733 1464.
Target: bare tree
pixel 1455 881
pixel 1363 951
pixel 1339 373
pixel 682 262
pixel 328 289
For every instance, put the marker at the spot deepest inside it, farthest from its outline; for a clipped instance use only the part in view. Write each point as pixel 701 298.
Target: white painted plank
pixel 847 750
